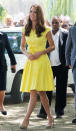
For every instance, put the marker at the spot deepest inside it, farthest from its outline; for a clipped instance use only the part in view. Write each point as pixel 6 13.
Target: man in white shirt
pixel 54 56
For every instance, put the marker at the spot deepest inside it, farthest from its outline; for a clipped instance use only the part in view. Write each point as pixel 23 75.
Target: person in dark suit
pixel 70 54
pixel 60 70
pixel 4 44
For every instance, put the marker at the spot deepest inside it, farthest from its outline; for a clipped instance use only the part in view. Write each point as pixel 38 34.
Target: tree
pixel 2 12
pixel 61 7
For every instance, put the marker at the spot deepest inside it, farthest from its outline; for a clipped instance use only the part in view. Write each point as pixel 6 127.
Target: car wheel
pixel 17 96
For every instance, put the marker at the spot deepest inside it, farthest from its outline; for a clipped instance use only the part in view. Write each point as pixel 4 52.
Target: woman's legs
pixel 2 95
pixel 31 105
pixel 45 103
pixel 42 111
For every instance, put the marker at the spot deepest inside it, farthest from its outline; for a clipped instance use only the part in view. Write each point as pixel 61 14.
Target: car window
pixel 15 40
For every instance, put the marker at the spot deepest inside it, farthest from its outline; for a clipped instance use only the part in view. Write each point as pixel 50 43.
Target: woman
pixel 37 75
pixel 4 44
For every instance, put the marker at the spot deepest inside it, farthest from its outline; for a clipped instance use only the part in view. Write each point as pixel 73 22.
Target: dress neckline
pixel 33 30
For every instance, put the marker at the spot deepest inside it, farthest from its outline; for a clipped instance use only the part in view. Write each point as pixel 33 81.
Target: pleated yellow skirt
pixel 37 75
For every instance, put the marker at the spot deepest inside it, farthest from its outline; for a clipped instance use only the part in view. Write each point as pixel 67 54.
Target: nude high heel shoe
pixel 24 126
pixel 51 123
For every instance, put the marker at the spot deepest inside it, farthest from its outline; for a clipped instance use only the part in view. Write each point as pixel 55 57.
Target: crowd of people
pixel 13 22
pixel 51 52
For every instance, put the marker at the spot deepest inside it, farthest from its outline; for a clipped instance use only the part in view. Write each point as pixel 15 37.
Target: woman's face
pixel 33 15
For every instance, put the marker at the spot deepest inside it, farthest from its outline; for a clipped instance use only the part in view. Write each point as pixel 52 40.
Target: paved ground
pixel 16 114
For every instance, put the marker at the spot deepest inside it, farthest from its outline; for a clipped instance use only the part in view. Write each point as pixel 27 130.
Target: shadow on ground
pixel 16 113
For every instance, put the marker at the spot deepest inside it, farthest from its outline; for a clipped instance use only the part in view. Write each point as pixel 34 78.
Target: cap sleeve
pixel 23 30
pixel 47 29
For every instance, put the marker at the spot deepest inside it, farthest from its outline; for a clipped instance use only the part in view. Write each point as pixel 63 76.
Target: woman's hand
pixel 38 54
pixel 13 68
pixel 34 56
pixel 30 56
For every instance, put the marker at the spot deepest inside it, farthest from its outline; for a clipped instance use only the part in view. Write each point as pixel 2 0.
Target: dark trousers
pixel 3 75
pixel 61 74
pixel 74 77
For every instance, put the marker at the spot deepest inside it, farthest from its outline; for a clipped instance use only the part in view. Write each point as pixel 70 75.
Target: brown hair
pixel 40 22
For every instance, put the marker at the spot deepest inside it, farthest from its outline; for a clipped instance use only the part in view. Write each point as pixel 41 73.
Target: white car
pixel 14 79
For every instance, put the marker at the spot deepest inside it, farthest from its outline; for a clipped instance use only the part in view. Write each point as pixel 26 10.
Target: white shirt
pixel 54 55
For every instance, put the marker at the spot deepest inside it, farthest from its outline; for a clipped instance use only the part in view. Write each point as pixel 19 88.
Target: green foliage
pixel 61 7
pixel 2 12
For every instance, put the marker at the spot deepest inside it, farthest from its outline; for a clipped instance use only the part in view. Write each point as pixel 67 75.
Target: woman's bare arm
pixel 51 43
pixel 22 47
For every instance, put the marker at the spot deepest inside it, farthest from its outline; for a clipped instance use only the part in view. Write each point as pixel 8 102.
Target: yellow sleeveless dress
pixel 37 74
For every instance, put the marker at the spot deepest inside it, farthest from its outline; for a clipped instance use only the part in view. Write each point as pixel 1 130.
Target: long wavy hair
pixel 40 22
